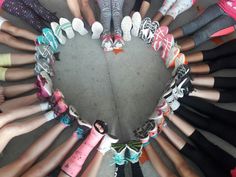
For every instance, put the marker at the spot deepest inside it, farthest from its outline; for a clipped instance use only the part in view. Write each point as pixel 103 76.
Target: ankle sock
pixel 44 106
pixel 50 115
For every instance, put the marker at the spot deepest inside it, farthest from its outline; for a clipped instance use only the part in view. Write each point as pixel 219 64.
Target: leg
pixel 117 15
pixel 144 8
pixel 9 59
pixel 22 112
pixel 74 7
pixel 16 90
pixel 19 166
pixel 15 43
pixel 167 4
pixel 194 57
pixel 187 45
pixel 16 74
pixel 136 170
pixel 87 12
pixel 18 32
pixel 200 69
pixel 105 9
pixel 206 81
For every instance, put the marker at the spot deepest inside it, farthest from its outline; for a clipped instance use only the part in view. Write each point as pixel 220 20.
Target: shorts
pixel 174 8
pixel 5 59
pixel 3 73
pixel 2 20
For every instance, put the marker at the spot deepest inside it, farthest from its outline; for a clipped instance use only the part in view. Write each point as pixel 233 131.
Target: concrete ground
pixel 120 89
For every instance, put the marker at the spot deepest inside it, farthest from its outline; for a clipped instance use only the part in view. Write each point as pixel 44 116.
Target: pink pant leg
pixel 74 163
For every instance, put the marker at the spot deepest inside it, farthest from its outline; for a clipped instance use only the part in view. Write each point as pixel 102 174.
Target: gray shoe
pixel 42 65
pixel 44 51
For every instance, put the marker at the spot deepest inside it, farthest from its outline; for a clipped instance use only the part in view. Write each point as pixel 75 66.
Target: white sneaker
pixel 97 30
pixel 106 143
pixel 126 26
pixel 136 20
pixel 78 26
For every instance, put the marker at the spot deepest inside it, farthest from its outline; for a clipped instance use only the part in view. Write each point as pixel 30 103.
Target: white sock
pixel 50 115
pixel 44 106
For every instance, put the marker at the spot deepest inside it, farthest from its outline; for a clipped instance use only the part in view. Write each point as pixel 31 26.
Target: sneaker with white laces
pixel 44 50
pixel 159 35
pixel 171 100
pixel 163 106
pixel 106 143
pixel 134 151
pixel 182 72
pixel 158 117
pixel 173 53
pixel 180 60
pixel 118 42
pixel 107 42
pixel 42 65
pixel 167 44
pixel 60 107
pixel 119 150
pixel 50 59
pixel 144 28
pixel 44 83
pixel 152 28
pixel 185 86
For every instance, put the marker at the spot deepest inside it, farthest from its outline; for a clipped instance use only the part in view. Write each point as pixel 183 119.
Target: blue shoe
pixel 120 151
pixel 48 33
pixel 134 151
pixel 42 40
pixel 68 118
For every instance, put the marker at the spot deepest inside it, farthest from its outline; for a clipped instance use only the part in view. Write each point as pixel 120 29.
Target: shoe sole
pixel 136 20
pixel 97 30
pixel 126 26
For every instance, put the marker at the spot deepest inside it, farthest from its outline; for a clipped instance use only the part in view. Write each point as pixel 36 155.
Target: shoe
pixel 167 44
pixel 78 26
pixel 66 26
pixel 136 21
pixel 171 100
pixel 158 117
pixel 107 42
pixel 102 124
pixel 182 72
pixel 106 143
pixel 57 30
pixel 118 42
pixel 97 30
pixel 172 57
pixel 44 83
pixel 134 151
pixel 69 115
pixel 40 40
pixel 185 87
pixel 126 25
pixel 164 107
pixel 50 59
pixel 60 108
pixel 44 50
pixel 144 28
pixel 42 65
pixel 56 96
pixel 159 35
pixel 48 33
pixel 152 28
pixel 83 126
pixel 119 150
pixel 180 60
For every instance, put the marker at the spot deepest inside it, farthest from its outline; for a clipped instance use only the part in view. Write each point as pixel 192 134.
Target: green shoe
pixel 119 153
pixel 134 151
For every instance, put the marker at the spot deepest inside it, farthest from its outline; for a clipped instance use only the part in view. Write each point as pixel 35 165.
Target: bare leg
pixel 200 69
pixel 180 164
pixel 194 57
pixel 212 95
pixel 19 102
pixel 87 12
pixel 15 43
pixel 187 44
pixel 18 32
pixel 22 59
pixel 93 167
pixel 177 33
pixel 15 74
pixel 157 163
pixel 8 132
pixel 19 166
pixel 144 8
pixel 206 81
pixel 167 20
pixel 19 113
pixel 52 160
pixel 74 8
pixel 157 17
pixel 16 90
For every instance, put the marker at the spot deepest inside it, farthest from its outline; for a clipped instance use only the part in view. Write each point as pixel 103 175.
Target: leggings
pixel 136 170
pixel 225 83
pixel 212 20
pixel 138 4
pixel 111 9
pixel 209 167
pixel 209 109
pixel 31 11
pixel 218 128
pixel 220 51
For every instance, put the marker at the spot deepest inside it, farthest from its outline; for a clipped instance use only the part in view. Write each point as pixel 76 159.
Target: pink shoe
pixel 164 107
pixel 159 35
pixel 118 41
pixel 56 96
pixel 44 83
pixel 167 44
pixel 60 108
pixel 107 42
pixel 173 53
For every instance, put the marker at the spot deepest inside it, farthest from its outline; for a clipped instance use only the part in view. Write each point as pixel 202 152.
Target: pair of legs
pixel 142 6
pixel 30 11
pixel 135 167
pixel 212 20
pixel 82 7
pixel 170 10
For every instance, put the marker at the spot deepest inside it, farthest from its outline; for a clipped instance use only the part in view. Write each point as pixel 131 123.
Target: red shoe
pixel 44 83
pixel 56 96
pixel 167 44
pixel 159 35
pixel 118 41
pixel 60 108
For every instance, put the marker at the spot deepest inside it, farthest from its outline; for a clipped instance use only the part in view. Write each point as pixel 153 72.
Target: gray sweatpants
pixel 211 21
pixel 111 10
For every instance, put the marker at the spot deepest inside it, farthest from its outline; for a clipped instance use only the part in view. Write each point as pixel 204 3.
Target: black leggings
pixel 209 109
pixel 225 132
pixel 220 51
pixel 136 170
pixel 225 82
pixel 138 4
pixel 209 167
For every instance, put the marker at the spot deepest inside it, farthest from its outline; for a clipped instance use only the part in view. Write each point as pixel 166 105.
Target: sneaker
pixel 152 28
pixel 185 87
pixel 167 44
pixel 118 42
pixel 136 21
pixel 42 65
pixel 164 107
pixel 106 143
pixel 144 28
pixel 172 57
pixel 41 40
pixel 44 83
pixel 119 150
pixel 159 119
pixel 182 72
pixel 83 124
pixel 107 42
pixel 49 35
pixel 171 100
pixel 56 96
pixel 60 108
pixel 44 51
pixel 50 59
pixel 180 60
pixel 126 25
pixel 134 151
pixel 159 35
pixel 103 125
pixel 69 116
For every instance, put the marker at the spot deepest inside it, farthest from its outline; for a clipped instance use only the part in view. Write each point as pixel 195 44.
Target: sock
pixel 44 106
pixel 50 115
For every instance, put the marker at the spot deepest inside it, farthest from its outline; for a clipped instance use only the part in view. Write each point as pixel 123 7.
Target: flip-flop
pixel 136 20
pixel 97 30
pixel 67 27
pixel 56 28
pixel 78 26
pixel 48 33
pixel 126 26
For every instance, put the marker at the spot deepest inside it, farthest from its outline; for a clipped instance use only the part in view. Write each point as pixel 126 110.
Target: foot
pixel 134 151
pixel 152 28
pixel 159 35
pixel 164 107
pixel 66 26
pixel 126 25
pixel 158 117
pixel 42 65
pixel 60 108
pixel 83 127
pixel 70 115
pixel 136 21
pixel 50 59
pixel 56 96
pixel 180 60
pixel 171 100
pixel 41 40
pixel 56 28
pixel 44 83
pixel 107 42
pixel 182 72
pixel 185 87
pixel 97 30
pixel 167 44
pixel 118 41
pixel 49 35
pixel 119 150
pixel 106 143
pixel 144 28
pixel 78 26
pixel 172 56
pixel 45 51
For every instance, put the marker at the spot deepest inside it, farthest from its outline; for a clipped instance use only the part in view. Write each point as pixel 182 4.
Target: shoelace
pixel 181 72
pixel 118 159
